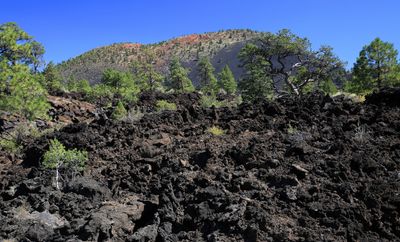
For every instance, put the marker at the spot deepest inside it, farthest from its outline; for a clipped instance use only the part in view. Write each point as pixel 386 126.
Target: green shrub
pixel 291 129
pixel 134 114
pixel 25 94
pixel 101 90
pixel 329 87
pixel 81 86
pixel 214 130
pixel 52 79
pixel 207 101
pixel 162 105
pixel 119 111
pixel 13 140
pixel 9 145
pixel 121 83
pixel 47 131
pixel 58 157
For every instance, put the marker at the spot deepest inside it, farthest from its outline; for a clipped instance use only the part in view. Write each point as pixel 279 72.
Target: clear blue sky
pixel 70 27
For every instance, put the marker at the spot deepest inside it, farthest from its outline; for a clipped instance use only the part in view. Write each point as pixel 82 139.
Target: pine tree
pixel 256 81
pixel 377 66
pixel 52 78
pixel 22 92
pixel 270 54
pixel 21 89
pixel 145 74
pixel 227 80
pixel 178 77
pixel 328 87
pixel 81 86
pixel 18 47
pixel 122 83
pixel 209 83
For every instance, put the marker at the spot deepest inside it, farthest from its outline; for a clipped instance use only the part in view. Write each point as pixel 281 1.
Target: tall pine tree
pixel 227 80
pixel 52 78
pixel 208 81
pixel 145 74
pixel 377 66
pixel 21 90
pixel 178 77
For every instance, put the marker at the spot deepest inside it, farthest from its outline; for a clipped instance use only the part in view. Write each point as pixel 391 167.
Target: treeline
pixel 284 63
pixel 275 65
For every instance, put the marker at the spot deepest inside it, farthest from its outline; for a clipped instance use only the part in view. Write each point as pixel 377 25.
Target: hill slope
pixel 221 47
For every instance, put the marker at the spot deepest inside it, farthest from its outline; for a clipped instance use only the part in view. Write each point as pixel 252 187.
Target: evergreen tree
pixel 52 78
pixel 21 90
pixel 227 80
pixel 289 60
pixel 178 77
pixel 122 83
pixel 376 66
pixel 326 68
pixel 209 83
pixel 328 87
pixel 37 52
pixel 81 86
pixel 18 47
pixel 256 82
pixel 146 76
pixel 115 79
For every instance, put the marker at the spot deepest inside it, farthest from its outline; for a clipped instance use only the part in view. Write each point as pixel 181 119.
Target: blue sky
pixel 70 27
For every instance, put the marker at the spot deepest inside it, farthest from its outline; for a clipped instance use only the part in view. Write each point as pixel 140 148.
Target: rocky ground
pixel 310 169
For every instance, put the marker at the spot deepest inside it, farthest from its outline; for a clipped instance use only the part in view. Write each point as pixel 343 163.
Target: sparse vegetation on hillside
pixel 215 45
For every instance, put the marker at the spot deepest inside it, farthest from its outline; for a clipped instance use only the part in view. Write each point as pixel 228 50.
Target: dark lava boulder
pixel 313 168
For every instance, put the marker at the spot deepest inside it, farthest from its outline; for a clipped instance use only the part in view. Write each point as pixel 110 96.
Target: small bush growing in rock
pixel 13 141
pixel 291 129
pixel 119 111
pixel 134 114
pixel 100 91
pixel 57 157
pixel 214 130
pixel 162 105
pixel 361 135
pixel 9 145
pixel 82 86
pixel 207 101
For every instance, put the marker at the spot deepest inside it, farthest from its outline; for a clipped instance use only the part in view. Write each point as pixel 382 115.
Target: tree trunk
pixel 292 87
pixel 57 178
